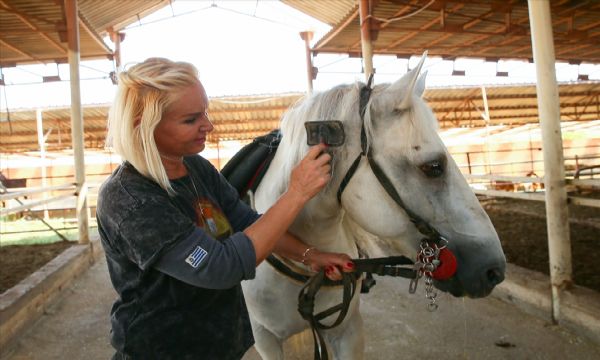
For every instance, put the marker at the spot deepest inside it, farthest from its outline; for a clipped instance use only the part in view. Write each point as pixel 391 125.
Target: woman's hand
pixel 312 173
pixel 333 263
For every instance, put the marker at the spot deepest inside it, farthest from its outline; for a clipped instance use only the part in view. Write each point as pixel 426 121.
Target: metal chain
pixel 427 262
pixel 430 294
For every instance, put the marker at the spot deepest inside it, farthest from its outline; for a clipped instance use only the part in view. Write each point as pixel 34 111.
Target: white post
pixel 310 71
pixel 559 243
pixel 365 37
pixel 486 117
pixel 42 145
pixel 83 212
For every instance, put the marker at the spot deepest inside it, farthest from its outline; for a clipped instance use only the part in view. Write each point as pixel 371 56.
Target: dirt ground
pixel 19 261
pixel 520 224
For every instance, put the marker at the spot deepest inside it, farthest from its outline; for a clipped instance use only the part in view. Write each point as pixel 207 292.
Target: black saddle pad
pixel 246 168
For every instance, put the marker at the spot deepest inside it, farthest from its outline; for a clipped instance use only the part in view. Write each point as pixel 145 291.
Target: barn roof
pixel 456 28
pixel 34 31
pixel 243 118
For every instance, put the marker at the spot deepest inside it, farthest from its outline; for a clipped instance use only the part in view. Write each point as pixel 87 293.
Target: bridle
pixel 424 228
pixel 427 257
pixel 433 242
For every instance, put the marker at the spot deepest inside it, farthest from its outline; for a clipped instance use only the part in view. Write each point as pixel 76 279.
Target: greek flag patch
pixel 196 257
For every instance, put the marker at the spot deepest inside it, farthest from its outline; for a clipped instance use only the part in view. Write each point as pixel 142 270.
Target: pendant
pixel 208 219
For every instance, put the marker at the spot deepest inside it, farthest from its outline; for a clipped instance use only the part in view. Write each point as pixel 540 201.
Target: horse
pixel 357 215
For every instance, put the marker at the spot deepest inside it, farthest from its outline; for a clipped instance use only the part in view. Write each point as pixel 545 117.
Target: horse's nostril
pixel 495 276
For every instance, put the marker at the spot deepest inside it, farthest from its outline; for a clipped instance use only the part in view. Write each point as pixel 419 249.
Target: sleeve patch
pixel 196 257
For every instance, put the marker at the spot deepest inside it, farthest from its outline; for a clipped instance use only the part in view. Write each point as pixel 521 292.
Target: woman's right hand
pixel 312 173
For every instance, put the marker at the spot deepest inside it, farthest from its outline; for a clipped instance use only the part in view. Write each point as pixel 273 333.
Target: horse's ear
pixel 410 83
pixel 420 87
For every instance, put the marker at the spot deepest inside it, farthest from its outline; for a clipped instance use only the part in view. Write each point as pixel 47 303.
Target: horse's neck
pixel 326 234
pixel 320 222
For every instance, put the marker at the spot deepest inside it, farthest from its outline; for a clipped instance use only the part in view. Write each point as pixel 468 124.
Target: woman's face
pixel 185 124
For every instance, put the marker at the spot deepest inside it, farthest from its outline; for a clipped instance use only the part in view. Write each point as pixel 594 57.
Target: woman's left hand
pixel 332 263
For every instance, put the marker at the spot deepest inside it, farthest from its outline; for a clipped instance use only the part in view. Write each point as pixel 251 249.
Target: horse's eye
pixel 399 112
pixel 433 168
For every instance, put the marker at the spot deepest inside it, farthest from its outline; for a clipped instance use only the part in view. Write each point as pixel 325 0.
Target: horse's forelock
pixel 334 104
pixel 418 126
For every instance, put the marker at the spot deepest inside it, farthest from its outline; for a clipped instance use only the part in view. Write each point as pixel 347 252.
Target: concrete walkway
pixel 398 327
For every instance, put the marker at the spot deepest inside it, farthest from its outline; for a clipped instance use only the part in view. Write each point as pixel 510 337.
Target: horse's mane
pixel 338 103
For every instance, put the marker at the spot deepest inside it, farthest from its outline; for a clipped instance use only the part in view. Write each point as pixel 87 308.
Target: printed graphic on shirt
pixel 196 257
pixel 212 220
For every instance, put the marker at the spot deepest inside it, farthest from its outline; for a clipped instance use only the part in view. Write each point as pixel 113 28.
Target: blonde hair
pixel 144 93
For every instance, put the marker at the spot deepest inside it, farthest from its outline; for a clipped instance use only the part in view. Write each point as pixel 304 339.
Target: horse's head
pixel 400 137
pixel 402 140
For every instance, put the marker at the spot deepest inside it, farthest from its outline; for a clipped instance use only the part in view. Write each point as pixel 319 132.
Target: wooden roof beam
pixel 580 7
pixel 590 25
pixel 382 24
pixel 457 29
pixel 17 50
pixel 587 52
pixel 494 7
pixel 333 33
pixel 424 27
pixel 93 34
pixel 7 6
pixel 506 28
pixel 570 50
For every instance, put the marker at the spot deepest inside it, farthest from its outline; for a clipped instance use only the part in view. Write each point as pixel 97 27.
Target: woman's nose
pixel 207 124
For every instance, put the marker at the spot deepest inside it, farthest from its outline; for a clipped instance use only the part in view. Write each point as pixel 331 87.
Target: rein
pixel 388 266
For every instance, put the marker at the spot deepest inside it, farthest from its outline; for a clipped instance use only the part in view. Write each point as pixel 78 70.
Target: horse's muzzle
pixel 476 284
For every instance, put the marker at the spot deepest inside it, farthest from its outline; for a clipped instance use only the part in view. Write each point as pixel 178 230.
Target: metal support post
pixel 310 71
pixel 83 211
pixel 557 215
pixel 365 37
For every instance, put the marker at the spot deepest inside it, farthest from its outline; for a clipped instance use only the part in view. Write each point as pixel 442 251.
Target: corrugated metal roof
pixel 244 118
pixel 453 28
pixel 330 12
pixel 34 31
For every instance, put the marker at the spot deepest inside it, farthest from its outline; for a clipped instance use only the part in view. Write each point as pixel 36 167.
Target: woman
pixel 177 238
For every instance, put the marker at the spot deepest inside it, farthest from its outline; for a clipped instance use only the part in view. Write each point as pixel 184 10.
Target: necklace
pixel 193 185
pixel 172 158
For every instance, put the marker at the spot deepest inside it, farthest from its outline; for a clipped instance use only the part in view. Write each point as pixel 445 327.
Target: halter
pixel 428 257
pixel 421 225
pixel 433 244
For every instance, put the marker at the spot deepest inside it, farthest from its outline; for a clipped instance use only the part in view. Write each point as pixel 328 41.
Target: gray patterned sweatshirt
pixel 177 263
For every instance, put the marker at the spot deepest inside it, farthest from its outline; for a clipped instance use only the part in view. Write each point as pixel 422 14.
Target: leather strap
pixel 390 266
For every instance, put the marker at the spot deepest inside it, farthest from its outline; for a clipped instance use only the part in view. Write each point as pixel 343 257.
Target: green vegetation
pixel 29 231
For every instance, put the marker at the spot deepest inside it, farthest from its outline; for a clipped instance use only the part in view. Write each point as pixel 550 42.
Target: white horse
pixel 401 135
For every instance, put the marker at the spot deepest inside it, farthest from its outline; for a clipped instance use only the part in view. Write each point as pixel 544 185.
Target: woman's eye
pixel 190 120
pixel 433 168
